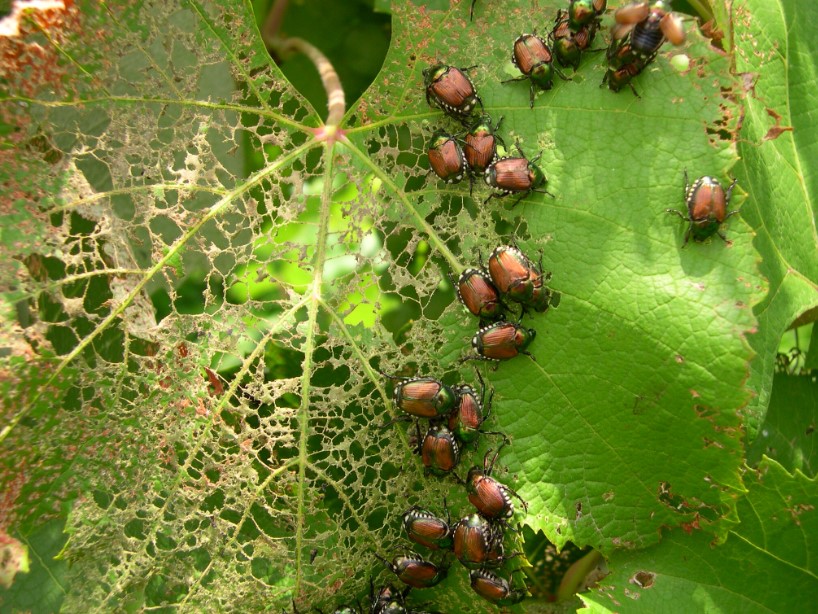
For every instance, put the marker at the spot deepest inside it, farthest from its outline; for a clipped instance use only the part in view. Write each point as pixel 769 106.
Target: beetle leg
pixel 723 236
pixel 514 204
pixel 401 418
pixel 529 354
pixel 687 234
pixel 520 78
pixel 386 563
pixel 494 195
pixel 544 192
pixel 730 191
pixel 513 492
pixel 679 213
pixel 734 212
pixel 559 72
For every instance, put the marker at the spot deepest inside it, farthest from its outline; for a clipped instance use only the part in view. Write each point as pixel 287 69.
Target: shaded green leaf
pixel 788 433
pixel 773 547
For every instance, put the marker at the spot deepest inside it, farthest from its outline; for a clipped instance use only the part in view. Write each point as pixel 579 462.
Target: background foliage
pixel 198 292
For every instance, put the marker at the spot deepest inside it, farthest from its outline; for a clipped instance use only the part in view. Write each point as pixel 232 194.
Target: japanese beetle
pixel 439 450
pixel 387 600
pixel 491 498
pixel 426 529
pixel 468 413
pixel 533 58
pixel 477 292
pixel 494 588
pixel 517 277
pixel 649 25
pixel 501 341
pixel 446 157
pixel 707 203
pixel 414 571
pixel 451 90
pixel 481 144
pixel 623 65
pixel 422 397
pixel 512 175
pixel 641 29
pixel 569 44
pixel 585 12
pixel 478 543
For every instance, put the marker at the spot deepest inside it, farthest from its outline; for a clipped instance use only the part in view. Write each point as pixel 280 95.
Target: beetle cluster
pixel 510 275
pixel 455 415
pixel 476 540
pixel 574 30
pixel 640 29
pixel 473 152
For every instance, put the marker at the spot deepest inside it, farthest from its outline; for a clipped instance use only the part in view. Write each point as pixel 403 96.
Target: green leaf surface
pixel 644 359
pixel 767 564
pixel 219 287
pixel 776 56
pixel 788 434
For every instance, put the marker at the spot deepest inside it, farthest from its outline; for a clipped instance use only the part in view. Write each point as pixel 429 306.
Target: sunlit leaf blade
pixel 628 421
pixel 773 547
pixel 776 55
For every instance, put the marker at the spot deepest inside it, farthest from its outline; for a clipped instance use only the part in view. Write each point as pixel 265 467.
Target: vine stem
pixel 283 47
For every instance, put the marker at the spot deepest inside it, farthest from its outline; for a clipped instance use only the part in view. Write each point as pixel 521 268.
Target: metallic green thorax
pixel 542 75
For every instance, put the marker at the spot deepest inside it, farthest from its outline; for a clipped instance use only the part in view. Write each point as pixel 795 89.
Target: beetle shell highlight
pixel 481 145
pixel 530 51
pixel 494 588
pixel 426 529
pixel 439 450
pixel 467 415
pixel 584 12
pixel 490 497
pixel 516 276
pixel 416 572
pixel 424 397
pixel 446 158
pixel 502 341
pixel 706 200
pixel 476 291
pixel 707 203
pixel 477 543
pixel 451 90
pixel 514 175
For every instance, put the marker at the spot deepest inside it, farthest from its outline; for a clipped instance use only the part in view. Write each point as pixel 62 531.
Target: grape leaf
pixel 776 57
pixel 206 335
pixel 773 547
pixel 788 433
